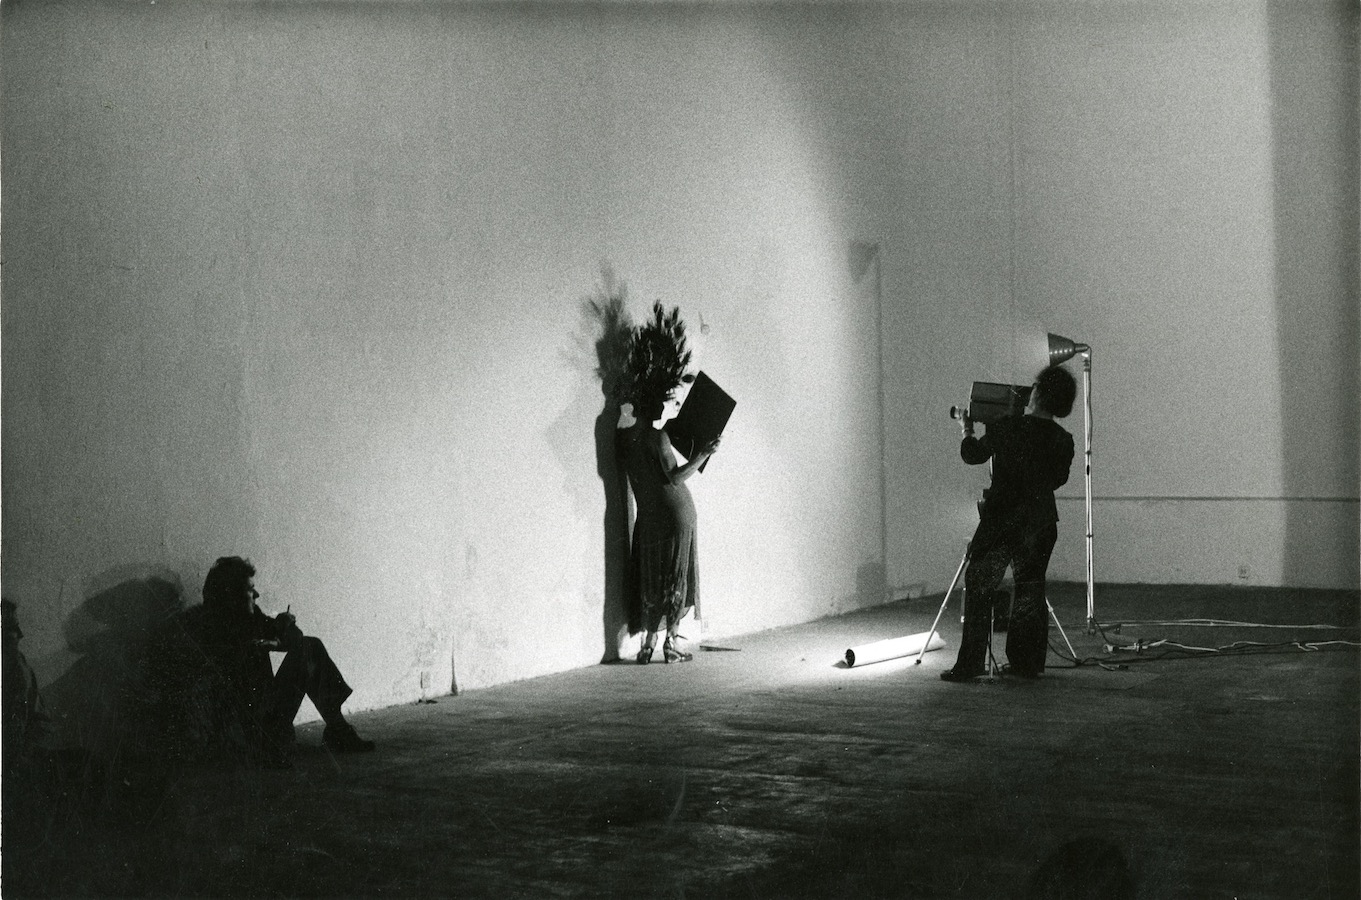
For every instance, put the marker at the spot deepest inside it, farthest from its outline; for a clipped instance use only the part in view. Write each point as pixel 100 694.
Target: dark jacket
pixel 213 678
pixel 1031 457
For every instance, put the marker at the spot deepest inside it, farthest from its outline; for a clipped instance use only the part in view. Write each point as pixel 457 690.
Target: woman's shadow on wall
pixel 607 311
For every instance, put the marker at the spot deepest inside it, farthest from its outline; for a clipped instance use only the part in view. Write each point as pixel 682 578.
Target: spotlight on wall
pixel 1062 349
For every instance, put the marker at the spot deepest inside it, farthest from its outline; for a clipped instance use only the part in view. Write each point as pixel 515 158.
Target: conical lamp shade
pixel 1061 349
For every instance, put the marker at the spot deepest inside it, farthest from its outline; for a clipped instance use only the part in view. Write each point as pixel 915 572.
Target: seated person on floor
pixel 244 703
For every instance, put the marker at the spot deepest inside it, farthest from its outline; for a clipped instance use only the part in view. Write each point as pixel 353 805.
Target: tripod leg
pixel 992 660
pixel 948 591
pixel 1059 625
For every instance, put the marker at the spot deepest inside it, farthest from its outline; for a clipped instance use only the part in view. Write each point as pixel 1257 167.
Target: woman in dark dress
pixel 1018 525
pixel 663 558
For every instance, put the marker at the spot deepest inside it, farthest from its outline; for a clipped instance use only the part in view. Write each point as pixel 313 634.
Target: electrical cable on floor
pixel 1139 645
pixel 1176 649
pixel 1077 663
pixel 1224 623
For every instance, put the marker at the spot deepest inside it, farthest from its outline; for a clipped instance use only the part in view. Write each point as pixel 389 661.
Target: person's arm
pixel 281 629
pixel 675 474
pixel 974 450
pixel 263 627
pixel 289 632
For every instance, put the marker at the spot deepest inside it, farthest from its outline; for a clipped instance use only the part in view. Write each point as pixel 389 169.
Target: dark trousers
pixel 1026 548
pixel 306 671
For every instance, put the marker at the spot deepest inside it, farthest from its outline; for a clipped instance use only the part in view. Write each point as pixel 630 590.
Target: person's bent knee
pixel 307 647
pixel 313 647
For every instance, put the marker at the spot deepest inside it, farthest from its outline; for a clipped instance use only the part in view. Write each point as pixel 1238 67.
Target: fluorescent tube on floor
pixel 892 648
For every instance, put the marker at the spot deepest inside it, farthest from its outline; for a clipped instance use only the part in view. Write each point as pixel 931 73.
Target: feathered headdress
pixel 658 355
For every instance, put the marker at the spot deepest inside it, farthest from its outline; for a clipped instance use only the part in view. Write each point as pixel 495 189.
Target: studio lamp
pixel 1061 349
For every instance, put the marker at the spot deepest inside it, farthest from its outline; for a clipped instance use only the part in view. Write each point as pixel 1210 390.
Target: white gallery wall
pixel 1174 184
pixel 305 282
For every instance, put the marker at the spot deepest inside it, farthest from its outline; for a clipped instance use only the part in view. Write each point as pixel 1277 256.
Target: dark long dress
pixel 663 562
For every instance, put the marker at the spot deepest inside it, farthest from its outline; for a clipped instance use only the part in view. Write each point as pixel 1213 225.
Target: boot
pixel 342 738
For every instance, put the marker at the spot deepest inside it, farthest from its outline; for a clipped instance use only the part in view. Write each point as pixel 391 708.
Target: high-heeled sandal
pixel 671 653
pixel 645 654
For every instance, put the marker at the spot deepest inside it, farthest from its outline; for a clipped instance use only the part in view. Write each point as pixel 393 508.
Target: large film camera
pixel 991 402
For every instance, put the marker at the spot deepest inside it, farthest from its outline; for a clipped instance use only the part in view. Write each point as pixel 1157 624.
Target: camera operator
pixel 1018 524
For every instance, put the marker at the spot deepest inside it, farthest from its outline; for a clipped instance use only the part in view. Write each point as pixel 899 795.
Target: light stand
pixel 1062 349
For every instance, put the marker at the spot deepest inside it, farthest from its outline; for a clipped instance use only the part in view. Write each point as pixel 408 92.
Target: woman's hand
pixel 710 448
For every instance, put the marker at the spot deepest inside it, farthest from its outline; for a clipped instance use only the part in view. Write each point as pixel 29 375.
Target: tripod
pixel 992 663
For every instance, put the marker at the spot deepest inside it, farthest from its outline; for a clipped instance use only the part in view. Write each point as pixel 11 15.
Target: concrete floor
pixel 773 771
